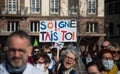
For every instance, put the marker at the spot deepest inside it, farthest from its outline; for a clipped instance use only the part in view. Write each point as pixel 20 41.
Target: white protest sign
pixel 58 31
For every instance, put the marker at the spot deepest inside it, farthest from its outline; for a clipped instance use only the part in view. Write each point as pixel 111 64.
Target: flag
pixel 35 42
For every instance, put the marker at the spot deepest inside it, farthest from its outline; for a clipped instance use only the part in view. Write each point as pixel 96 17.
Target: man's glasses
pixel 17 50
pixel 36 51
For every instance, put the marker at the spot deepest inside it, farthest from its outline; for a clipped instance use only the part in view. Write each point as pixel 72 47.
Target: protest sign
pixel 58 31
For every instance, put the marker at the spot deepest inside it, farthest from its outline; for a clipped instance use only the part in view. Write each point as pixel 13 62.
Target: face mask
pixel 108 64
pixel 50 55
pixel 40 66
pixel 88 59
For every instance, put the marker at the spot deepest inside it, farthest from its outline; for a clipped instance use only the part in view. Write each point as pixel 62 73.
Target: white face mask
pixel 40 66
pixel 50 55
pixel 108 64
pixel 88 59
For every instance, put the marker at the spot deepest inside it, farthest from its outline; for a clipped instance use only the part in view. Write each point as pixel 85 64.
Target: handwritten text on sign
pixel 60 30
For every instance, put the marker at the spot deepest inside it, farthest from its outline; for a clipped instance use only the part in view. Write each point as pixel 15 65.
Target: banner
pixel 58 31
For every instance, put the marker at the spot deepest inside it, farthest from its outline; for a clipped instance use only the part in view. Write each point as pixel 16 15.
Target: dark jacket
pixel 50 72
pixel 62 70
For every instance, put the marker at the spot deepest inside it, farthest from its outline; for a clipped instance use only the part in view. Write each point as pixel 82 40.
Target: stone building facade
pixel 26 14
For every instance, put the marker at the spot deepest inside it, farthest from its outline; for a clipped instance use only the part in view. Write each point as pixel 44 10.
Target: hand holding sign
pixel 59 46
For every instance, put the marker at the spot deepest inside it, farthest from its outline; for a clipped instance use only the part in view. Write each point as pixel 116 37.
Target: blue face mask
pixel 108 64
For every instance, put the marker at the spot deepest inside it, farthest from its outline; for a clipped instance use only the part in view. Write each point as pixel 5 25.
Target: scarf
pixel 114 70
pixel 13 70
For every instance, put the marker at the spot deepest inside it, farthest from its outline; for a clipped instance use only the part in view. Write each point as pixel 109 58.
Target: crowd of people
pixel 20 57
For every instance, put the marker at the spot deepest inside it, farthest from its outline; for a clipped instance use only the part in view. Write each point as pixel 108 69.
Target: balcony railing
pixel 17 11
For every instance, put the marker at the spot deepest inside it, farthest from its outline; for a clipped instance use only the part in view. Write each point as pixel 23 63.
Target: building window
pixel 34 26
pixel 54 6
pixel 118 25
pixel 35 6
pixel 110 9
pixel 117 8
pixel 12 6
pixel 91 6
pixel 111 27
pixel 73 6
pixel 12 26
pixel 92 27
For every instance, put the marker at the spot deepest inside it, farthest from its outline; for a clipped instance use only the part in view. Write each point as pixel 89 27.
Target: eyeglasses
pixel 70 58
pixel 116 52
pixel 36 51
pixel 107 58
pixel 19 50
pixel 103 47
pixel 48 52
